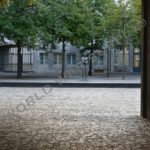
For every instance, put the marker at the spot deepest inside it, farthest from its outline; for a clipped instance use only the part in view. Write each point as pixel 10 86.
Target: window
pixel 71 59
pixel 136 58
pixel 43 58
pixel 57 59
pixel 100 59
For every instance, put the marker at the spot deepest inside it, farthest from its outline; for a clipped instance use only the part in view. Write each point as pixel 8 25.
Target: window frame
pixel 72 62
pixel 44 60
pixel 58 59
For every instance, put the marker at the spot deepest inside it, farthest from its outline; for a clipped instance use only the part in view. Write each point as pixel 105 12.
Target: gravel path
pixel 72 119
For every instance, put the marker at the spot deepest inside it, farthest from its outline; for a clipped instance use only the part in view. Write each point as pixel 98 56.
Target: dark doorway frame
pixel 145 90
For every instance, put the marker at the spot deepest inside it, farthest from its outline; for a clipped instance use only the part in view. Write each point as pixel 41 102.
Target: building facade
pixel 50 61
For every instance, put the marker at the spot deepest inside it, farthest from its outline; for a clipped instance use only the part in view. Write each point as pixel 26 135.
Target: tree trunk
pixel 108 58
pixel 19 62
pixel 63 59
pixel 108 62
pixel 90 59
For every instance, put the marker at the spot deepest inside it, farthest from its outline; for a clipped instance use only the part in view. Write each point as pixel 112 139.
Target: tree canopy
pixel 79 22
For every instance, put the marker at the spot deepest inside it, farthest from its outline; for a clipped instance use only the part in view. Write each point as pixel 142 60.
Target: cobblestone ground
pixel 72 119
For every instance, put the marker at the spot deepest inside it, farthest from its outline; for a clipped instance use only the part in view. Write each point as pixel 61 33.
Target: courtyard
pixel 72 119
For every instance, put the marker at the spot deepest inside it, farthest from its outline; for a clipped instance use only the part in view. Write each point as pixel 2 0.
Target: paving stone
pixel 72 119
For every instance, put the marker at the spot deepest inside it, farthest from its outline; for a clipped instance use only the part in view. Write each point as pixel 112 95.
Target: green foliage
pixel 126 25
pixel 75 21
pixel 84 23
pixel 18 22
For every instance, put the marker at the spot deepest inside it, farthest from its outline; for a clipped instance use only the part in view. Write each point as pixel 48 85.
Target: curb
pixel 72 85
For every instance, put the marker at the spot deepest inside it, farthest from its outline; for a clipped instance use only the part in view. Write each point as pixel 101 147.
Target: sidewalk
pixel 76 81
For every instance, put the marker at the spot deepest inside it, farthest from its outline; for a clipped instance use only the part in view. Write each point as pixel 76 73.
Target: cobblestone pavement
pixel 72 119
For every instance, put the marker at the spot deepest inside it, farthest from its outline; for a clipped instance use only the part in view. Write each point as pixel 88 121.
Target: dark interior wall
pixel 4 57
pixel 146 61
pixel 1 59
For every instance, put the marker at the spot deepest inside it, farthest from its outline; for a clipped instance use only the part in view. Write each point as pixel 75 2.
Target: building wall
pixel 40 61
pixel 2 55
pixel 11 60
pixel 118 56
pixel 50 65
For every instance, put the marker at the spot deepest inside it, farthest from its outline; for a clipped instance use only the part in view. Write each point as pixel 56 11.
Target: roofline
pixel 8 46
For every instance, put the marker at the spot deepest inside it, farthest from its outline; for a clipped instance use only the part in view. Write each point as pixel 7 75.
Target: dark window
pixel 43 58
pixel 71 59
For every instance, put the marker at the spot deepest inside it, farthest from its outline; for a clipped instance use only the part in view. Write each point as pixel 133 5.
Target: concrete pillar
pixel 145 103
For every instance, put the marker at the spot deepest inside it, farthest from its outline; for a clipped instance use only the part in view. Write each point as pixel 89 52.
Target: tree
pixel 19 25
pixel 92 30
pixel 128 14
pixel 3 2
pixel 86 24
pixel 127 24
pixel 65 18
